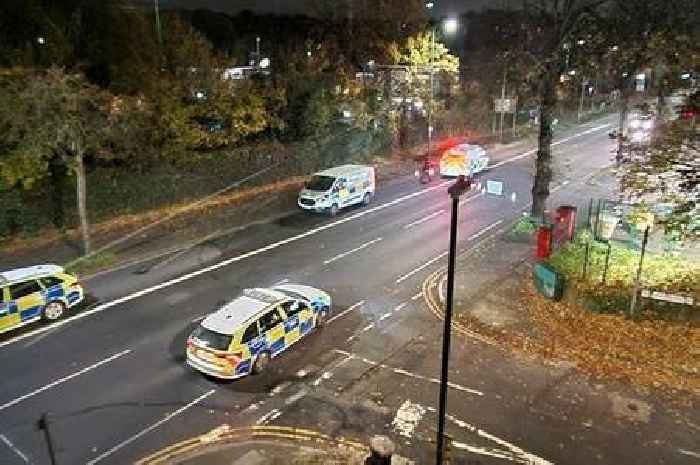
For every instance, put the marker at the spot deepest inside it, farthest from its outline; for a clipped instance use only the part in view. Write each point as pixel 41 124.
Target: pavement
pixel 113 378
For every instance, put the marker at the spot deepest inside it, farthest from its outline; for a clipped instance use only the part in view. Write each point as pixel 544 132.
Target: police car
pixel 242 336
pixel 36 292
pixel 463 160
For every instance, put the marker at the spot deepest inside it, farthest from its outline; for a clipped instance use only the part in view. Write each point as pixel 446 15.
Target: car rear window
pixel 211 339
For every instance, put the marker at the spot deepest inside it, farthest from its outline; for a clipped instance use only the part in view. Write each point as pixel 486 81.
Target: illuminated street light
pixel 450 25
pixel 429 5
pixel 581 42
pixel 41 40
pixel 572 72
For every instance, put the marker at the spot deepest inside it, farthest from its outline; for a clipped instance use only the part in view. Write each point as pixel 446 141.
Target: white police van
pixel 339 187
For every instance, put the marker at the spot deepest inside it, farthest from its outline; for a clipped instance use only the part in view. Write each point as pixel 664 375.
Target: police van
pixel 242 336
pixel 36 292
pixel 339 187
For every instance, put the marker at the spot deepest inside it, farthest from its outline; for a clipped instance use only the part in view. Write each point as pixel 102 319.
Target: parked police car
pixel 242 336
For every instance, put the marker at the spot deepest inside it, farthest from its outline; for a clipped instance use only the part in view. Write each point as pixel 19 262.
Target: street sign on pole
pixel 504 105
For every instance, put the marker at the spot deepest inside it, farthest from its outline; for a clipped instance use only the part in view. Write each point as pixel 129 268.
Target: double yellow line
pixel 226 434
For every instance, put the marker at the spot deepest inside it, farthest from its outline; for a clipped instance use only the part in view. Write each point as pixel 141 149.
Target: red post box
pixel 544 242
pixel 564 224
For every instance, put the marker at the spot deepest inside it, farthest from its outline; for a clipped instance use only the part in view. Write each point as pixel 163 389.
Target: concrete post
pixel 381 449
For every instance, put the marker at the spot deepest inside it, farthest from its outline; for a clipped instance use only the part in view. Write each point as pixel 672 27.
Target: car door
pixel 272 328
pixel 343 192
pixel 9 316
pixel 299 320
pixel 29 298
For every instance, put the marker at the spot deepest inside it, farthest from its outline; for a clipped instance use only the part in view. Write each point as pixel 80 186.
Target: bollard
pixel 381 449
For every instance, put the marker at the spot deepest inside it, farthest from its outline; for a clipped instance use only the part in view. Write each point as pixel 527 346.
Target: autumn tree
pixel 56 118
pixel 549 29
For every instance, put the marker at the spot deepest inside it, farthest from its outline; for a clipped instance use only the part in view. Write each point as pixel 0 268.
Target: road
pixel 113 376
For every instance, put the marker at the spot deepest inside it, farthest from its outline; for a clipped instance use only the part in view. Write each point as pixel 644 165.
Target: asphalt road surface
pixel 114 380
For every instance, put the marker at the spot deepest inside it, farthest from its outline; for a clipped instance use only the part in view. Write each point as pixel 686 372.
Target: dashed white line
pixel 269 416
pixel 424 265
pixel 352 251
pixel 63 380
pixel 401 306
pixel 400 371
pixel 222 264
pixel 329 374
pixel 417 296
pixel 296 396
pixel 147 430
pixel 424 219
pixel 485 230
pixel 346 311
pixel 14 448
pixel 689 453
pixel 385 316
pixel 501 454
pixel 368 327
pixel 517 454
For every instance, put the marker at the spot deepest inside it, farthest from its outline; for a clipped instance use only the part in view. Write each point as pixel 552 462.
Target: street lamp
pixel 456 190
pixel 450 25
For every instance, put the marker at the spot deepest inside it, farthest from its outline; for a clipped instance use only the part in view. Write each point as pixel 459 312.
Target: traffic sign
pixel 504 105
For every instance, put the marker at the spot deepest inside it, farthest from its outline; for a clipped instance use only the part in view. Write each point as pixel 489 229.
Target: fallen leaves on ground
pixel 651 353
pixel 660 355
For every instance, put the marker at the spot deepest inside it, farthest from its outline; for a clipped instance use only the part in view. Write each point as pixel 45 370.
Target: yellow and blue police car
pixel 242 336
pixel 35 292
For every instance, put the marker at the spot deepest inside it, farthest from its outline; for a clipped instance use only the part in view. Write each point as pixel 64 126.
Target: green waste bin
pixel 548 282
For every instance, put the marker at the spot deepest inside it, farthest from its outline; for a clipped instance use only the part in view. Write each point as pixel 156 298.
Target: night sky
pixel 442 7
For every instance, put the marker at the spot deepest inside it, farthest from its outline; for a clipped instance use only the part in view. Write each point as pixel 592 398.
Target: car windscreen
pixel 211 339
pixel 320 183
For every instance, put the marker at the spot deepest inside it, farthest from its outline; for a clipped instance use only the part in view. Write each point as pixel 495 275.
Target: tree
pixel 668 174
pixel 55 118
pixel 549 30
pixel 646 34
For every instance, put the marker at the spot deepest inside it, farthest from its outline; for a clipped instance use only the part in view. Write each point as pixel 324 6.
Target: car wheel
pixel 333 210
pixel 261 362
pixel 321 318
pixel 366 199
pixel 54 310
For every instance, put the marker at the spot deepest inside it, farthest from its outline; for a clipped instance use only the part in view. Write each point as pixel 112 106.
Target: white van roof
pixel 229 317
pixel 344 170
pixel 19 274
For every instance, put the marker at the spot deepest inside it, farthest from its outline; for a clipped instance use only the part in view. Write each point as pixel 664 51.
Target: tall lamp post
pixel 455 190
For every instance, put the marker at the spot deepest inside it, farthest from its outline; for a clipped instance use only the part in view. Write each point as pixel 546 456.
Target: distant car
pixel 463 160
pixel 36 292
pixel 242 336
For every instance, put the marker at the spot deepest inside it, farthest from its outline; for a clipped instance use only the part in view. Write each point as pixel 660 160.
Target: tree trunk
pixel 57 174
pixel 82 200
pixel 543 163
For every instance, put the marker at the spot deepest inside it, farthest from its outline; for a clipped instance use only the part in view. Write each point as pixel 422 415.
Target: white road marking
pixel 400 371
pixel 268 417
pixel 401 306
pixel 252 253
pixel 222 264
pixel 501 454
pixel 407 418
pixel 200 318
pixel 519 455
pixel 279 388
pixel 329 374
pixel 441 292
pixel 368 327
pixel 424 219
pixel 14 448
pixel 280 282
pixel 554 144
pixel 62 380
pixel 147 430
pixel 486 229
pixel 346 311
pixel 417 296
pixel 296 396
pixel 689 453
pixel 352 251
pixel 385 316
pixel 425 265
